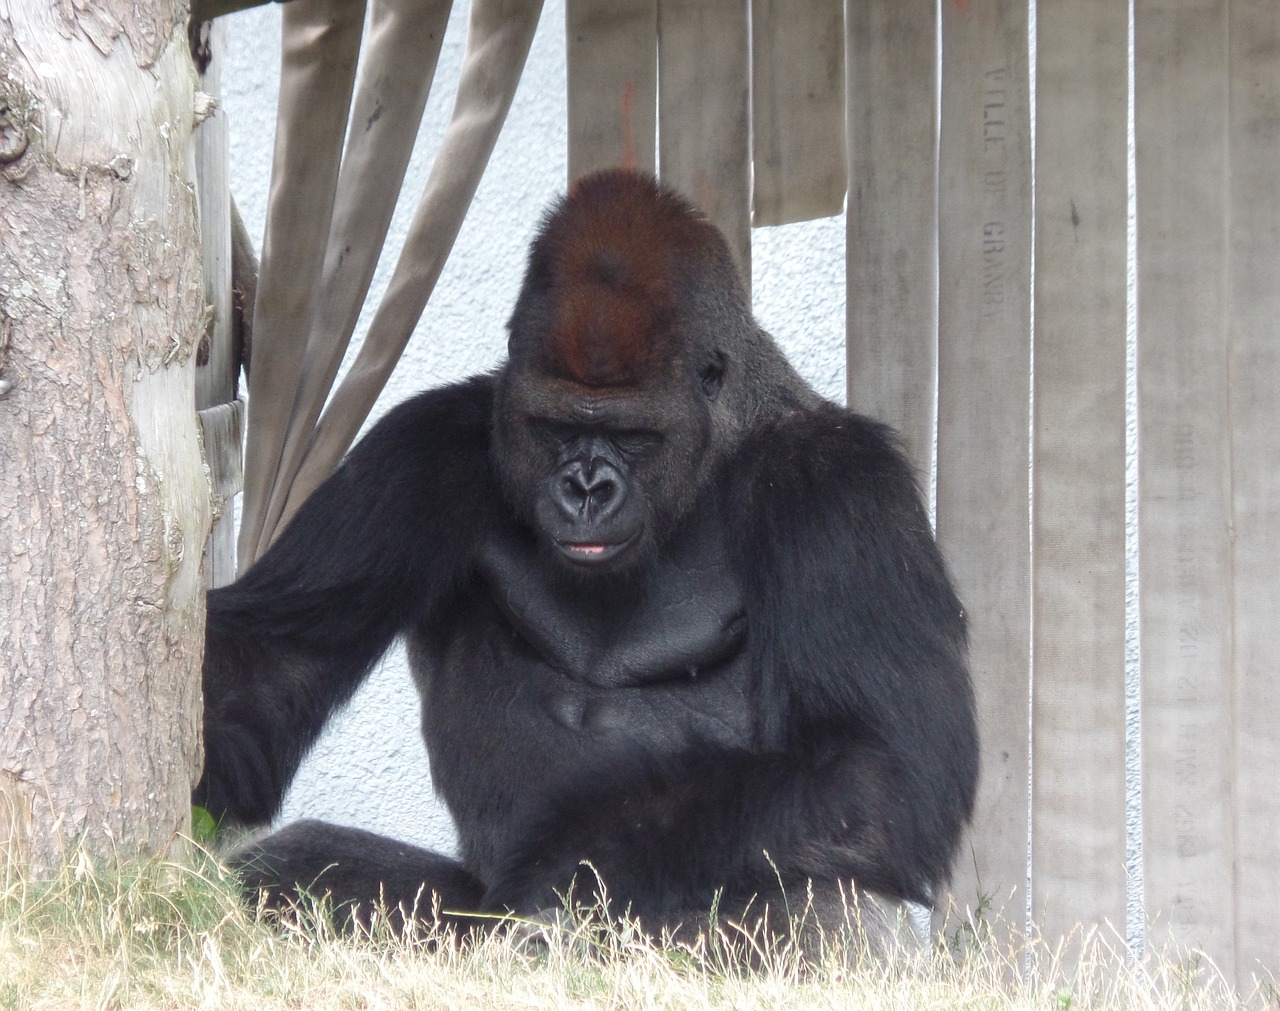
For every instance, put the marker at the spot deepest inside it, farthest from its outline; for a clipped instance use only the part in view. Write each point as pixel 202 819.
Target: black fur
pixel 769 689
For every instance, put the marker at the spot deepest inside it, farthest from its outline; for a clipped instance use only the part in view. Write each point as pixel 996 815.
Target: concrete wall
pixel 369 768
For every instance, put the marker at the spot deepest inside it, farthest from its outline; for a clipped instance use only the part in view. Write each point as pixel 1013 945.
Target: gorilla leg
pixel 359 871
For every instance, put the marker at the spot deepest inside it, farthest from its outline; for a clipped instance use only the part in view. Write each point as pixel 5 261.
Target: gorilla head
pixel 635 371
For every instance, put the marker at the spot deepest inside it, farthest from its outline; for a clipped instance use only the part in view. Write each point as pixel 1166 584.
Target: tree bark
pixel 104 497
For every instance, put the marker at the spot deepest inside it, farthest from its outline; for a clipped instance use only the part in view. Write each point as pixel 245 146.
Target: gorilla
pixel 672 616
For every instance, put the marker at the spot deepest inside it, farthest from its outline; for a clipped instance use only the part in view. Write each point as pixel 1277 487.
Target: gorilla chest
pixel 682 616
pixel 532 691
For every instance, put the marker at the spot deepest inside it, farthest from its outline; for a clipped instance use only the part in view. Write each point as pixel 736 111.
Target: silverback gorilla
pixel 671 614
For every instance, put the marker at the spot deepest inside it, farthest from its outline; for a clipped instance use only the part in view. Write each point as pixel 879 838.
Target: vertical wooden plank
pixel 892 223
pixel 216 371
pixel 984 375
pixel 613 83
pixel 797 109
pixel 703 126
pixel 1081 242
pixel 217 364
pixel 1184 472
pixel 1255 377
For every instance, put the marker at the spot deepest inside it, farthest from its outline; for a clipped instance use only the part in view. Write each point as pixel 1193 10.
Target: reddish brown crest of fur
pixel 615 249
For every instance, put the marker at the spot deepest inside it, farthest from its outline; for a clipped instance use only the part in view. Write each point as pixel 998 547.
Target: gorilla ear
pixel 712 376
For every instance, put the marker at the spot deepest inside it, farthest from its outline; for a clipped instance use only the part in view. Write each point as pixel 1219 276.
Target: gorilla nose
pixel 588 490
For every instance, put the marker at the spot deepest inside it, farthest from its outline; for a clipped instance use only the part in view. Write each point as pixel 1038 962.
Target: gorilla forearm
pixel 266 702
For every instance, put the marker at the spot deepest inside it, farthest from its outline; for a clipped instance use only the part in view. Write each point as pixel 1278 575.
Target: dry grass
pixel 157 934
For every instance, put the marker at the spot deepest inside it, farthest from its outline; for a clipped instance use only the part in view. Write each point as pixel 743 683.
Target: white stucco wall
pixel 369 768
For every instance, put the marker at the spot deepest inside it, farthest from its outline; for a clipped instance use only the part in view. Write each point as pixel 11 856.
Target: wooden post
pixel 217 363
pixel 104 502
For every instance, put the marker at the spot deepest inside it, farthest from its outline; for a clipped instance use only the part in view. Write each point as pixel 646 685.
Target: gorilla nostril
pixel 587 489
pixel 572 495
pixel 602 497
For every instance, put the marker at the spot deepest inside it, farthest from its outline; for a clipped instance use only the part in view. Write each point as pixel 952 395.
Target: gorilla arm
pixel 860 642
pixel 375 547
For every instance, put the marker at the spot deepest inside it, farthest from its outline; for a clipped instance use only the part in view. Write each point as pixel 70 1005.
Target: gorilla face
pixel 587 507
pixel 602 474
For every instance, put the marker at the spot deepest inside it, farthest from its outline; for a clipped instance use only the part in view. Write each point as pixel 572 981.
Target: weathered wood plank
pixel 217 364
pixel 984 368
pixel 1078 739
pixel 612 51
pixel 797 109
pixel 1254 294
pixel 892 224
pixel 1184 514
pixel 703 120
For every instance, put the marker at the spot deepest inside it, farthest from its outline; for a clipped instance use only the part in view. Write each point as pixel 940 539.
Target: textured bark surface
pixel 104 498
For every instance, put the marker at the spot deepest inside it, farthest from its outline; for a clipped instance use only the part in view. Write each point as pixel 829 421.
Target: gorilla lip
pixel 592 553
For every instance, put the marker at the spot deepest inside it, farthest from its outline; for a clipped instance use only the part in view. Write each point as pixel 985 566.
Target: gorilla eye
pixel 636 444
pixel 712 377
pixel 553 433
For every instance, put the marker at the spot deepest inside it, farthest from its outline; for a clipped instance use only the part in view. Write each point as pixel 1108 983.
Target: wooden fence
pixel 988 306
pixel 1029 364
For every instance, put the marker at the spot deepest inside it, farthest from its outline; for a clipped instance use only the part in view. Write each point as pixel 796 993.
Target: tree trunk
pixel 104 498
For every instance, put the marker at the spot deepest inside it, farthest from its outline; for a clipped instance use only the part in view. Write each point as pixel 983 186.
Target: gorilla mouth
pixel 591 553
